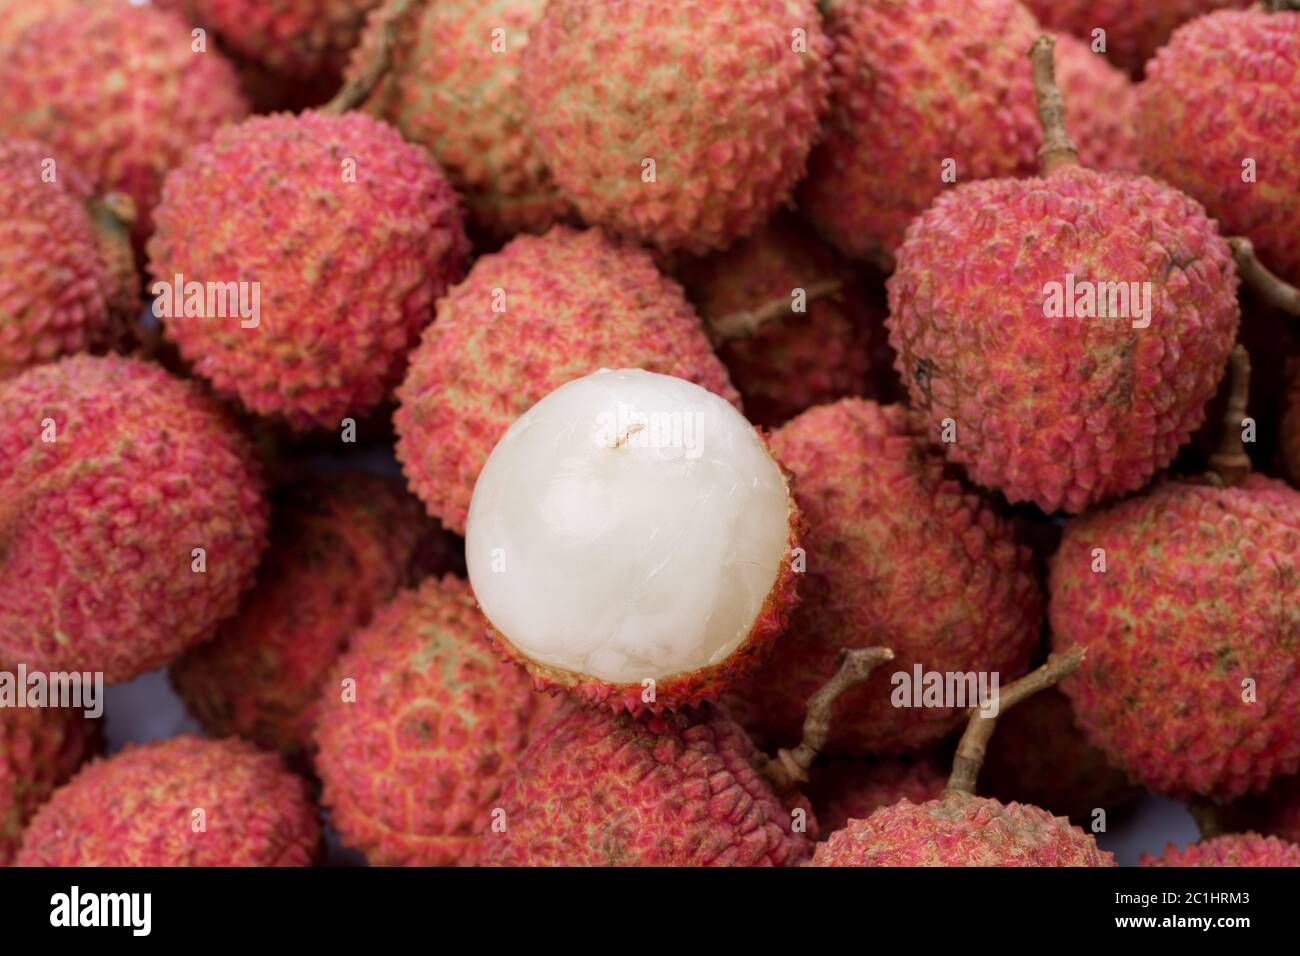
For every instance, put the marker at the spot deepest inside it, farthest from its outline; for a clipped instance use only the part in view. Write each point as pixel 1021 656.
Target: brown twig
pixel 1230 462
pixel 358 88
pixel 1272 289
pixel 1206 815
pixel 790 767
pixel 974 742
pixel 1057 149
pixel 747 322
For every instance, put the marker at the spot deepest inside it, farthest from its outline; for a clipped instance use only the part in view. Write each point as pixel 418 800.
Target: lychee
pixel 344 238
pixel 17 15
pixel 682 124
pixel 40 748
pixel 794 323
pixel 341 546
pixel 943 93
pixel 595 788
pixel 118 92
pixel 179 802
pixel 630 539
pixel 453 86
pixel 419 727
pixel 1063 333
pixel 887 534
pixel 539 313
pixel 845 790
pixel 131 516
pixel 62 287
pixel 1234 849
pixel 1132 31
pixel 1239 162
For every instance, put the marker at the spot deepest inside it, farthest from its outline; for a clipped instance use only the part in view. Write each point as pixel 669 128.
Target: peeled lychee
pixel 1063 333
pixel 1234 849
pixel 539 313
pixel 131 516
pixel 341 546
pixel 454 87
pixel 896 555
pixel 1187 600
pixel 817 336
pixel 179 802
pixel 40 748
pixel 61 287
pixel 346 234
pixel 845 790
pixel 418 728
pixel 1133 30
pixel 630 539
pixel 1220 120
pixel 680 123
pixel 926 93
pixel 595 788
pixel 118 92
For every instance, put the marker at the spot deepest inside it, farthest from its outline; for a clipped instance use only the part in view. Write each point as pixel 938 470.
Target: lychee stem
pixel 1206 815
pixel 790 767
pixel 974 742
pixel 1271 288
pixel 1057 149
pixel 362 84
pixel 1230 462
pixel 747 322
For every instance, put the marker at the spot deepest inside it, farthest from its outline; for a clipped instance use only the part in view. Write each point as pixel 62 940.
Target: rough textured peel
pixel 1234 849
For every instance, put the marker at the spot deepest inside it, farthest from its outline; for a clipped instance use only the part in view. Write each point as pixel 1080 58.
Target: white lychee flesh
pixel 628 526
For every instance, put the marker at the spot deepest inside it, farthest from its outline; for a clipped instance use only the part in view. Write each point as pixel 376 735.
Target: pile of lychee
pixel 618 432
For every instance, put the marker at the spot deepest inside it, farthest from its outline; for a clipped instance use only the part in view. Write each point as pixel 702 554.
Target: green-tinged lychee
pixel 340 546
pixel 541 312
pixel 1234 849
pixel 1063 333
pixel 118 92
pixel 943 92
pixel 40 748
pixel 63 285
pixel 680 123
pixel 179 802
pixel 595 788
pixel 1187 600
pixel 796 325
pixel 897 554
pixel 131 516
pixel 418 728
pixel 328 267
pixel 1132 31
pixel 453 86
pixel 1220 120
pixel 631 539
pixel 845 790
pixel 1040 756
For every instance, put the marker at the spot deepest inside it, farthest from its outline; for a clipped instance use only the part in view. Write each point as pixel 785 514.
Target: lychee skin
pixel 960 830
pixel 1199 601
pixel 117 91
pixel 141 807
pixel 1064 412
pixel 413 767
pixel 454 90
pixel 596 788
pixel 1233 849
pixel 1245 67
pixel 58 295
pixel 1134 31
pixel 834 349
pixel 348 276
pixel 40 748
pixel 17 15
pixel 340 547
pixel 885 534
pixel 541 312
pixel 729 133
pixel 845 790
pixel 1040 756
pixel 112 474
